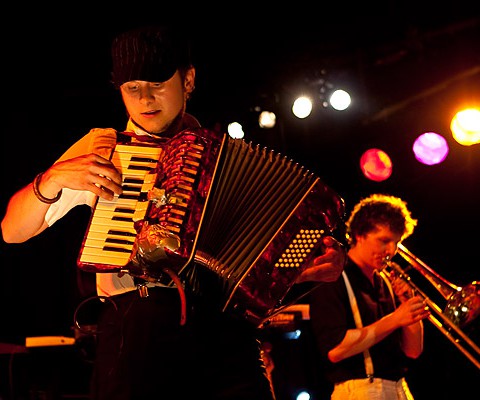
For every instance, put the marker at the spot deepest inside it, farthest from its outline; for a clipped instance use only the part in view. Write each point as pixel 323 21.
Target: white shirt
pixel 102 142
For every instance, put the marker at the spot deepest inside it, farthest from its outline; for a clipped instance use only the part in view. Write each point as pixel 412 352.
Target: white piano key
pixel 97 256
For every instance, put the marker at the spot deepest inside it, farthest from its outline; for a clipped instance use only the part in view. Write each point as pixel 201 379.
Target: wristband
pixel 40 196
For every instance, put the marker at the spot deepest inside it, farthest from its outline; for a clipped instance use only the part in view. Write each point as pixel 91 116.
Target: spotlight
pixel 235 130
pixel 430 148
pixel 302 107
pixel 465 127
pixel 340 100
pixel 267 119
pixel 303 395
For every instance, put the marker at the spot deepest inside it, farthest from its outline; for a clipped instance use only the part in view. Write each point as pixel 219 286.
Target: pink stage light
pixel 430 148
pixel 376 165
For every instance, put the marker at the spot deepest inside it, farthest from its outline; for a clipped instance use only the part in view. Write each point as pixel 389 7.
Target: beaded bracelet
pixel 40 196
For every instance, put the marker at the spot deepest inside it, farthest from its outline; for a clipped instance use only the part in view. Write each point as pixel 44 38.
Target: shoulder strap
pixel 358 323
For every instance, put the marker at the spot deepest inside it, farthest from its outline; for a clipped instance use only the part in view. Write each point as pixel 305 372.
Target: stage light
pixel 267 119
pixel 235 130
pixel 430 148
pixel 340 100
pixel 465 127
pixel 303 395
pixel 302 107
pixel 293 335
pixel 376 165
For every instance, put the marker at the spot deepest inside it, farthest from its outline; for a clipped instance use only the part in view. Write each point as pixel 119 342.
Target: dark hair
pixel 149 53
pixel 380 209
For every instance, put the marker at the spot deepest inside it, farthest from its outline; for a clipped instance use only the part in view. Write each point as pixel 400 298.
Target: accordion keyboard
pixel 111 234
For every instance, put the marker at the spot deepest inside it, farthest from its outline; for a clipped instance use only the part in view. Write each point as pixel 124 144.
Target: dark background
pixel 409 71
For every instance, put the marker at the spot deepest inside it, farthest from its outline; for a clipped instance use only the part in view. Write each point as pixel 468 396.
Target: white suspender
pixel 358 323
pixel 358 319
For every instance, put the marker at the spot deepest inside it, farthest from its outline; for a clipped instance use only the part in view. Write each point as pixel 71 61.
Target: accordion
pixel 204 204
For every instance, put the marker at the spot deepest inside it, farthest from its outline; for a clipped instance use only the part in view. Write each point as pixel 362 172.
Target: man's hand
pixel 328 266
pixel 88 172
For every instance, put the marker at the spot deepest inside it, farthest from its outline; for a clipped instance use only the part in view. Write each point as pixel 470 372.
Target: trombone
pixel 463 303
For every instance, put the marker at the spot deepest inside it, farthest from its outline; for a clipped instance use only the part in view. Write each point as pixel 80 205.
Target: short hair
pixel 380 209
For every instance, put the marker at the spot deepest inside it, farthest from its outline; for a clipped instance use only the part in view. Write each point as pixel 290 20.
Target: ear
pixel 189 81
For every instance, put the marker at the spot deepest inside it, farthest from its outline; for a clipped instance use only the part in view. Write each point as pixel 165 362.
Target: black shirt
pixel 331 316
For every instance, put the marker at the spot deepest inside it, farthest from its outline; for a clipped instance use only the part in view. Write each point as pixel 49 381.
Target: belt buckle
pixel 142 289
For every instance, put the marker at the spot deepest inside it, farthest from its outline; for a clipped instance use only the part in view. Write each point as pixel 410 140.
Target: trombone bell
pixel 463 306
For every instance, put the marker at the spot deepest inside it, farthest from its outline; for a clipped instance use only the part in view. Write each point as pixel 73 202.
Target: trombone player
pixel 368 325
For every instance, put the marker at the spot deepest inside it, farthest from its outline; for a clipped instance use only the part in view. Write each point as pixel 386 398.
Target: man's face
pixel 373 247
pixel 154 105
